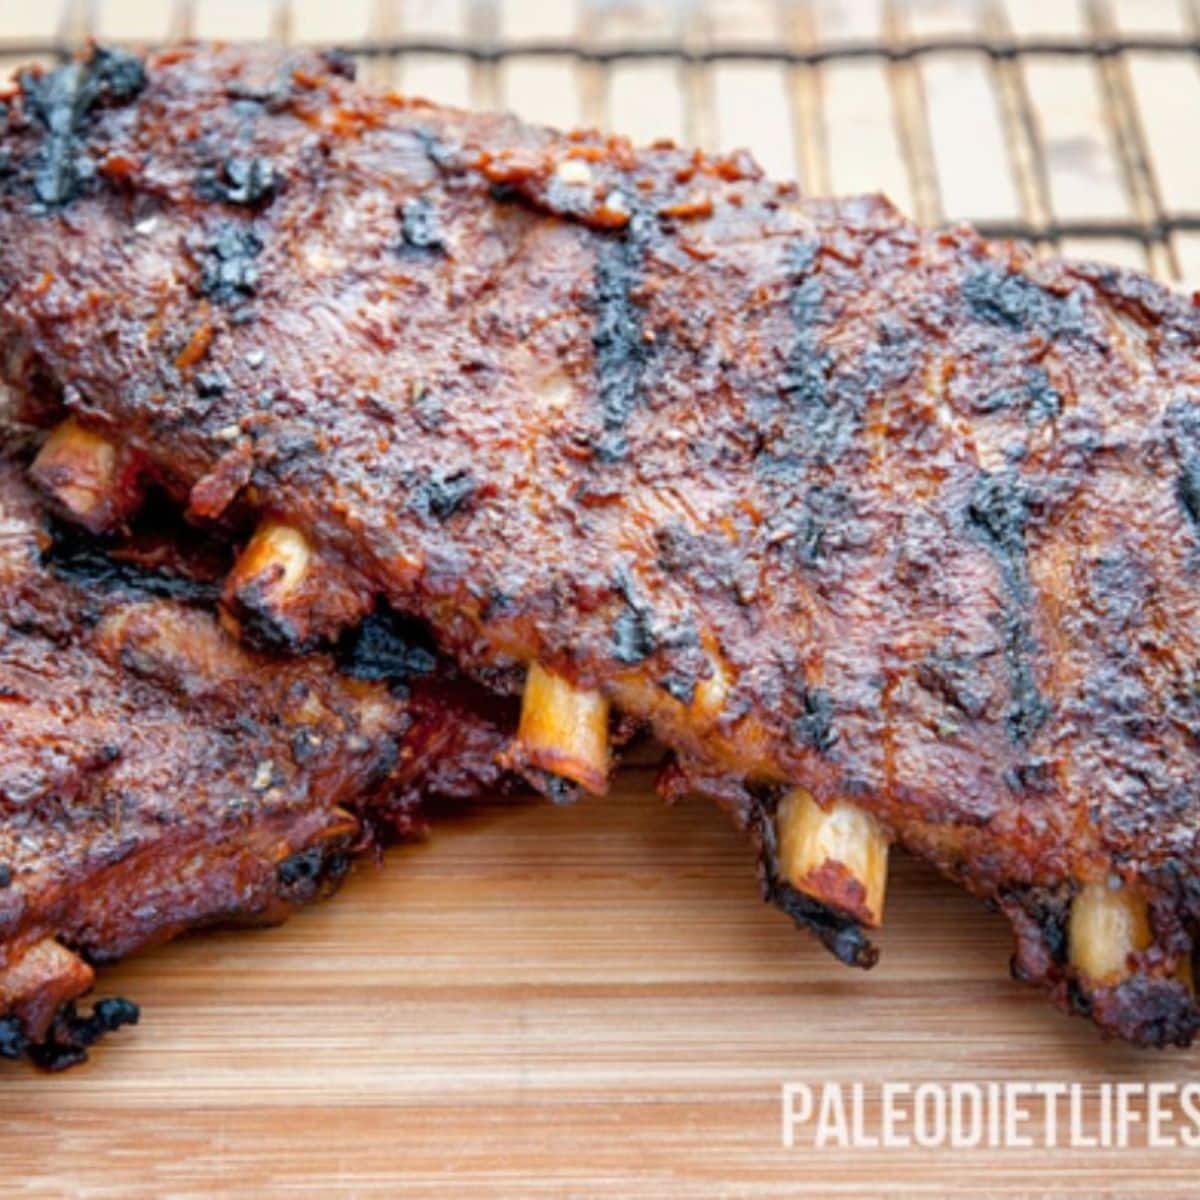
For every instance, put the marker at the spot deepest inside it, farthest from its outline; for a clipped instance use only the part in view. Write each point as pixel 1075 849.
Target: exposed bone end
pixel 711 693
pixel 836 855
pixel 282 592
pixel 1106 926
pixel 276 557
pixel 563 731
pixel 94 482
pixel 40 982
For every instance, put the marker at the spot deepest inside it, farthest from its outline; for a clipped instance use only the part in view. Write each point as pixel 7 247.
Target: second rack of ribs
pixel 157 777
pixel 899 518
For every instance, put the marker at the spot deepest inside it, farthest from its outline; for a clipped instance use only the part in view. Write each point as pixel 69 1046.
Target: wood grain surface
pixel 593 1001
pixel 549 1002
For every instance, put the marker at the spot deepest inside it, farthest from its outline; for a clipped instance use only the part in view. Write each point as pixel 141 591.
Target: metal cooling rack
pixel 786 38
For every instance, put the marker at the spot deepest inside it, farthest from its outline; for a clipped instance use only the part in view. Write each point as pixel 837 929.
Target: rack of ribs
pixel 890 535
pixel 156 777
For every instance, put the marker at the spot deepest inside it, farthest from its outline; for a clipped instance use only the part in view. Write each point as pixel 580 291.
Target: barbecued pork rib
pixel 157 777
pixel 890 534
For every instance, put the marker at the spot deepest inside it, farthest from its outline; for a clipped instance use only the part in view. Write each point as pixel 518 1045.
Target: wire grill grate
pixel 679 37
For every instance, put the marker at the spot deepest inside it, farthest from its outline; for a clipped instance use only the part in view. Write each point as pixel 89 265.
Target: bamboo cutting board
pixel 544 1002
pixel 588 1001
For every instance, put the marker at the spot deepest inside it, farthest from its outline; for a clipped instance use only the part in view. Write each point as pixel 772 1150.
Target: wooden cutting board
pixel 549 1002
pixel 590 1001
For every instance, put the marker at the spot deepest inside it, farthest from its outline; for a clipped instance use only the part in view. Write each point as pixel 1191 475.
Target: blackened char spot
pixel 6 875
pixel 312 872
pixel 819 523
pixel 13 1042
pixel 80 559
pixel 1049 913
pixel 210 385
pixel 340 62
pixel 504 193
pixel 632 638
pixel 72 1032
pixel 1015 301
pixel 815 726
pixel 821 413
pixel 1183 424
pixel 1043 400
pixel 633 630
pixel 999 511
pixel 386 647
pixel 804 379
pixel 438 152
pixel 617 337
pixel 60 102
pixel 840 935
pixel 679 687
pixel 420 226
pixel 248 182
pixel 442 495
pixel 230 274
pixel 1038 398
pixel 1189 489
pixel 810 420
pixel 1027 710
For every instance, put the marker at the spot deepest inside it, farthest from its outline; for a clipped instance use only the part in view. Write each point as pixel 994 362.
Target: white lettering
pixel 797 1108
pixel 831 1120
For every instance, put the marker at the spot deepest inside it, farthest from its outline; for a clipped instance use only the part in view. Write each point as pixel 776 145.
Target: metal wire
pixel 489 51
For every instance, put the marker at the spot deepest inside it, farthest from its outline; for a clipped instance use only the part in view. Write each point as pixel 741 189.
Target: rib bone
pixel 836 855
pixel 285 593
pixel 1106 926
pixel 563 730
pixel 95 482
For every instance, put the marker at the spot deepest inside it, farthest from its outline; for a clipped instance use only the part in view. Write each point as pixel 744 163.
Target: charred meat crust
pixel 925 507
pixel 156 778
pixel 70 1034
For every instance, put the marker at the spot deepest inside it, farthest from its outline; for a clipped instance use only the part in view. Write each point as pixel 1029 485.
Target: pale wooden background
pixel 593 1001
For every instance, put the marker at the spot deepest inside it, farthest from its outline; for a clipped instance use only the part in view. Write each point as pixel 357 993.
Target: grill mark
pixel 1189 489
pixel 1182 424
pixel 809 423
pixel 618 342
pixel 999 511
pixel 633 635
pixel 243 182
pixel 60 102
pixel 1015 302
pixel 1037 399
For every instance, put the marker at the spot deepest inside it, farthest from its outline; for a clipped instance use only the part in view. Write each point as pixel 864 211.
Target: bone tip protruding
pixel 277 557
pixel 1107 925
pixel 286 590
pixel 263 596
pixel 563 730
pixel 95 482
pixel 837 855
pixel 37 984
